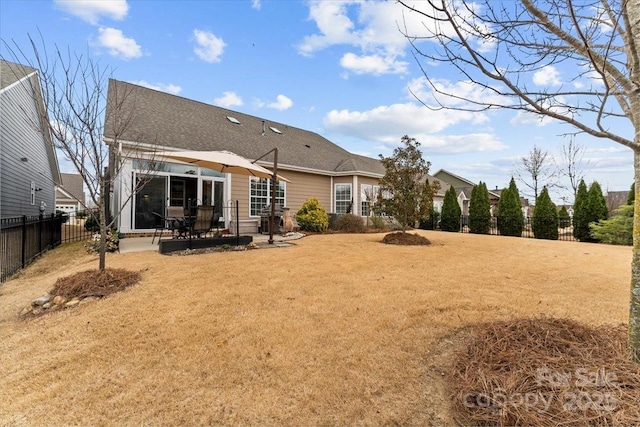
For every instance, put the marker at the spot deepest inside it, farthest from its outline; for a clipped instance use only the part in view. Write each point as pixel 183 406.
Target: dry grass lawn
pixel 336 330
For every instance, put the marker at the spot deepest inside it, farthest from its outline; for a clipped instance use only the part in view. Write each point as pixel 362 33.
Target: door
pixel 151 198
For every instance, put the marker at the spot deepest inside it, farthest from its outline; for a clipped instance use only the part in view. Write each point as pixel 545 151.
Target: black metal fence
pixel 23 238
pixel 565 229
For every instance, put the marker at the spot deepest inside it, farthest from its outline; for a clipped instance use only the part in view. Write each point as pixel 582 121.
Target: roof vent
pixel 233 120
pixel 307 145
pixel 275 130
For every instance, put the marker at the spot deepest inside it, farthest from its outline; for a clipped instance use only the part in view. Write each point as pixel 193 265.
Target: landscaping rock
pixel 41 301
pixel 58 300
pixel 27 310
pixel 47 305
pixel 72 303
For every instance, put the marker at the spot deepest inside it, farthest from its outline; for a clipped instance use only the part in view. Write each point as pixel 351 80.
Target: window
pixel 343 198
pixel 368 198
pixel 260 194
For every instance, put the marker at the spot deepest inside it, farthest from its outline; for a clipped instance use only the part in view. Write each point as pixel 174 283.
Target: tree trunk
pixel 634 305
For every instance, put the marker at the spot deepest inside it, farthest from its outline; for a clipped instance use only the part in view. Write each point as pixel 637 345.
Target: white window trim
pixel 335 198
pixel 269 188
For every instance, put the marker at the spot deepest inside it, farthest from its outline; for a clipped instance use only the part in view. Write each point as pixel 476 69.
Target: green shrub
pixel 564 219
pixel 81 214
pixel 312 216
pixel 430 223
pixel 545 217
pixel 92 223
pixel 617 230
pixel 510 220
pixel 350 223
pixel 479 210
pixel 451 211
pixel 377 222
pixel 580 214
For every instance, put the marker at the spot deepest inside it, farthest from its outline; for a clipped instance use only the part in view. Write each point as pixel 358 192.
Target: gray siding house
pixel 28 164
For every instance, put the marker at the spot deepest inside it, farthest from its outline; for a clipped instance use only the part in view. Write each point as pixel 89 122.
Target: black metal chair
pixel 162 224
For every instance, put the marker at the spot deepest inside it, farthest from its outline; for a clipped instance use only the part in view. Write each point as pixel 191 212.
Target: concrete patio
pixel 139 244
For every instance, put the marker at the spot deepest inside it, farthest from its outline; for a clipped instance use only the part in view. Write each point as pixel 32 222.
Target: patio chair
pixel 162 224
pixel 204 220
pixel 176 214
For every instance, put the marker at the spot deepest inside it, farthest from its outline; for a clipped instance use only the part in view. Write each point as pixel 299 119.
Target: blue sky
pixel 338 68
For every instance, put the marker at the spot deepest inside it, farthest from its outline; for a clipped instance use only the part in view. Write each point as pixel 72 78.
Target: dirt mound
pixel 545 372
pixel 400 238
pixel 94 283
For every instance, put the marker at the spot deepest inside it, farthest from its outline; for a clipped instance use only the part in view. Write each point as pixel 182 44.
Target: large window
pixel 368 198
pixel 260 194
pixel 343 198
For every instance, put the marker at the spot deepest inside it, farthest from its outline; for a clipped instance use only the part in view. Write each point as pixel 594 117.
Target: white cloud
pixel 91 10
pixel 117 44
pixel 256 4
pixel 374 31
pixel 372 64
pixel 386 124
pixel 547 76
pixel 281 103
pixel 209 48
pixel 228 99
pixel 168 88
pixel 463 94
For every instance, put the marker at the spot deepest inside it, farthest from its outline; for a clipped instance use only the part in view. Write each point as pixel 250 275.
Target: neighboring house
pixel 527 210
pixel 70 196
pixel 313 165
pixel 615 199
pixel 28 164
pixel 464 187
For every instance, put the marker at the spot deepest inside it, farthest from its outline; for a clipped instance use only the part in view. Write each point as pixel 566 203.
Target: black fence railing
pixel 23 238
pixel 565 229
pixel 78 226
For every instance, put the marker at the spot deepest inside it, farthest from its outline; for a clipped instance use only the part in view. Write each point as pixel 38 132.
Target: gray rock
pixel 41 301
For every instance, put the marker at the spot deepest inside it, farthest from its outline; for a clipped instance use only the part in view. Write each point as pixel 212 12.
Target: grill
pixel 265 213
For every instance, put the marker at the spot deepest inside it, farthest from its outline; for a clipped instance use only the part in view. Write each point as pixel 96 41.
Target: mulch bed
pixel 546 372
pixel 400 238
pixel 95 283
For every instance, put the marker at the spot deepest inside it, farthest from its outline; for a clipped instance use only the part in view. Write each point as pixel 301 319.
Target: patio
pixel 139 244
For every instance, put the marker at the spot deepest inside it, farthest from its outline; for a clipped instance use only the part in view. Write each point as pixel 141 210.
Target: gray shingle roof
pixel 10 72
pixel 167 120
pixel 72 184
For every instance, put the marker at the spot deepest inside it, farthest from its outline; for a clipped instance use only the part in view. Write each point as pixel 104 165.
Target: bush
pixel 350 223
pixel 377 222
pixel 617 230
pixel 92 223
pixel 564 219
pixel 63 215
pixel 580 213
pixel 112 243
pixel 312 216
pixel 450 211
pixel 510 220
pixel 430 223
pixel 479 210
pixel 545 217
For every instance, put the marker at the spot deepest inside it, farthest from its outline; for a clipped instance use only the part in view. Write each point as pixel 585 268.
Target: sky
pixel 341 69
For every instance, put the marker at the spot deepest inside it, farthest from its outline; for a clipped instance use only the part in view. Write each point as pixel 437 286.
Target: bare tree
pixel 499 46
pixel 537 170
pixel 74 93
pixel 572 154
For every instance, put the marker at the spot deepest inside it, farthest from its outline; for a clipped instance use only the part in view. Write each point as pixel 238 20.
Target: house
pixel 28 164
pixel 615 199
pixel 70 197
pixel 464 187
pixel 313 165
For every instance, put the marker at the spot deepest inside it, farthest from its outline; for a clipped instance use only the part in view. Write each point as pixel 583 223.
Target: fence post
pixel 23 254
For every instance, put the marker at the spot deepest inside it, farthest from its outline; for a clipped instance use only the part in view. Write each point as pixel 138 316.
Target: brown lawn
pixel 337 330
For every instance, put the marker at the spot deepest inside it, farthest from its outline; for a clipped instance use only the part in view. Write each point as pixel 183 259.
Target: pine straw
pixel 546 372
pixel 95 283
pixel 400 238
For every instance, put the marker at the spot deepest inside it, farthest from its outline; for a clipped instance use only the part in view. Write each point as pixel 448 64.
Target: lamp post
pixel 273 189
